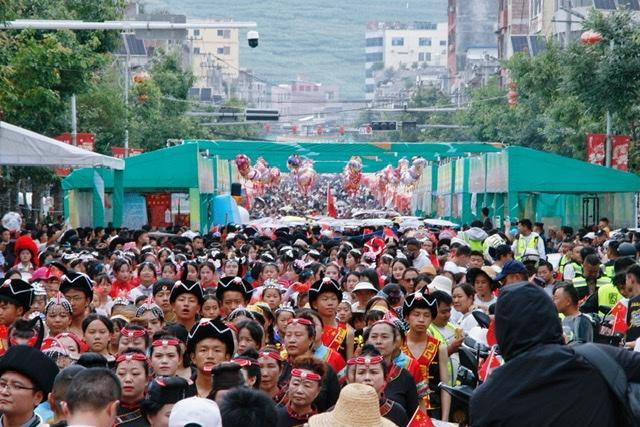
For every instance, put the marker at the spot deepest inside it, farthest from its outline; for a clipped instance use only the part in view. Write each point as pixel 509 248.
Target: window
pixel 373 57
pixel 196 51
pixel 397 41
pixel 220 33
pixel 374 41
pixel 226 50
pixel 424 56
pixel 536 7
pixel 443 42
pixel 424 41
pixel 196 33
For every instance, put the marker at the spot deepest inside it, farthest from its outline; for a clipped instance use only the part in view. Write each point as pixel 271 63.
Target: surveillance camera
pixel 252 38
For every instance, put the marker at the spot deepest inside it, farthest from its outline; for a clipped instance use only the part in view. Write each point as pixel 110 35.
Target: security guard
pixel 612 255
pixel 527 239
pixel 565 248
pixel 594 281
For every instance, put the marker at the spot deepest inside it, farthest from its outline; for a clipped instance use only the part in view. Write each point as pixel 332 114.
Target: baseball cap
pixel 511 267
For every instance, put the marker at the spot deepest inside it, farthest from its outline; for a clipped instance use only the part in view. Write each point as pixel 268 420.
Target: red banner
pixel 118 152
pixel 596 147
pixel 159 207
pixel 620 152
pixel 84 140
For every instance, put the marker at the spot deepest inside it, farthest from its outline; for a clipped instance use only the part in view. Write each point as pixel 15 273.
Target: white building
pixel 399 46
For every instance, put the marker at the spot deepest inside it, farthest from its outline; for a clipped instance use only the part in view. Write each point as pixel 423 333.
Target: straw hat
pixel 357 405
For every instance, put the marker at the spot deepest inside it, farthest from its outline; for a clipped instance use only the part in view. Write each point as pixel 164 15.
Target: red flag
pixel 491 333
pixel 596 143
pixel 489 365
pixel 420 419
pixel 332 210
pixel 389 232
pixel 616 320
pixel 620 152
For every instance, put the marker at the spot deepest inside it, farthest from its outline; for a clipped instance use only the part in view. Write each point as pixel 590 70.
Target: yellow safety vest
pixel 435 332
pixel 521 247
pixel 580 283
pixel 564 261
pixel 608 295
pixel 609 271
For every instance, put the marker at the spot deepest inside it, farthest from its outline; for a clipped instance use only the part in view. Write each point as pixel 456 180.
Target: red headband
pixel 31 342
pixel 272 354
pixel 244 362
pixel 127 357
pixel 132 333
pixel 164 343
pixel 365 360
pixel 305 375
pixel 83 347
pixel 300 321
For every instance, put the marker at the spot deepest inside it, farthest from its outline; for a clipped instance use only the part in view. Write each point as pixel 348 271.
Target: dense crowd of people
pixel 287 198
pixel 312 326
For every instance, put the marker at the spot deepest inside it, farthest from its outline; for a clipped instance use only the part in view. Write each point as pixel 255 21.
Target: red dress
pixel 121 288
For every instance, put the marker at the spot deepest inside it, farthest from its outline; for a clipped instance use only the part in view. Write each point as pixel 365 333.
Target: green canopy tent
pixel 524 183
pixel 198 167
pixel 460 179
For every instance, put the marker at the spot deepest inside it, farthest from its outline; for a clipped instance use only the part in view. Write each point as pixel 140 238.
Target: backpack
pixel 627 393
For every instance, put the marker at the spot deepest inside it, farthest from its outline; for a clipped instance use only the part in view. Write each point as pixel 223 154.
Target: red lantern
pixel 294 129
pixel 267 127
pixel 341 130
pixel 591 37
pixel 320 130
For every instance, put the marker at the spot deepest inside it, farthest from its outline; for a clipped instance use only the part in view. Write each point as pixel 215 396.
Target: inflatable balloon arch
pixel 392 187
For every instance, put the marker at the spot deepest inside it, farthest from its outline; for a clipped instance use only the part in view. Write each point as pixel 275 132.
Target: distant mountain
pixel 322 40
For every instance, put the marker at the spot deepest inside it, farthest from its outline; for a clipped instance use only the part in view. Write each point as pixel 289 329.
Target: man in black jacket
pixel 544 383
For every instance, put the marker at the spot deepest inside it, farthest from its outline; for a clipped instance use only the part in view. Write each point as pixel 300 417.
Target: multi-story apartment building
pixel 397 46
pixel 212 54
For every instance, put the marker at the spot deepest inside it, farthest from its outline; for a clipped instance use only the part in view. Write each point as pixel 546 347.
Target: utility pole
pixel 568 23
pixel 74 122
pixel 126 105
pixel 608 150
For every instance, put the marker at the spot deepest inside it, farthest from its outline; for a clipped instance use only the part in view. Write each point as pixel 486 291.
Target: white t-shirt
pixel 467 322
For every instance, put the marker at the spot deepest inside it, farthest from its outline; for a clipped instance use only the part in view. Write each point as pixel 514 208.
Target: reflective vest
pixel 435 332
pixel 576 267
pixel 564 261
pixel 521 246
pixel 580 283
pixel 609 271
pixel 608 295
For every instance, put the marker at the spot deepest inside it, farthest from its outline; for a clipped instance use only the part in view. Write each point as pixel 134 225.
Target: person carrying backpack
pixel 545 382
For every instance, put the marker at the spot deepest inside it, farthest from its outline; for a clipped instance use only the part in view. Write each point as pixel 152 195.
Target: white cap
pixel 441 283
pixel 195 410
pixel 364 286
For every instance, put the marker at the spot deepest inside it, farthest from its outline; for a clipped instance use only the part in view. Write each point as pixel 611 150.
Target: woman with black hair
pixel 132 369
pixel 370 368
pixel 164 392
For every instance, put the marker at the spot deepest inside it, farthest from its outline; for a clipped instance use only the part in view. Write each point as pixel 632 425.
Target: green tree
pixel 40 70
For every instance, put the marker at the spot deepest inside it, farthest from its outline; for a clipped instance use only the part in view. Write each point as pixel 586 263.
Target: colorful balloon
pixel 243 163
